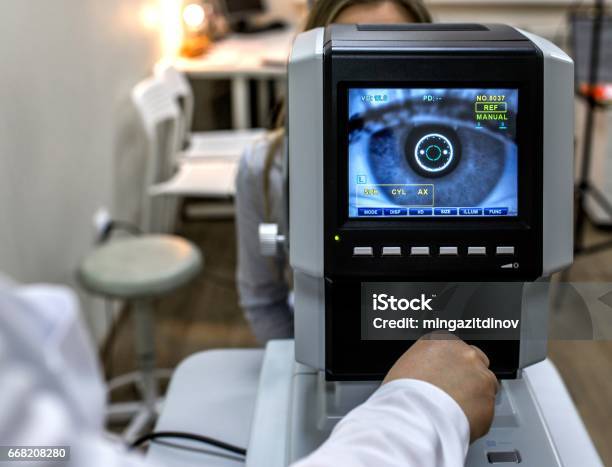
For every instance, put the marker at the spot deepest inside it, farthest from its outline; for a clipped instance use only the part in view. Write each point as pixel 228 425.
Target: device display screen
pixel 448 153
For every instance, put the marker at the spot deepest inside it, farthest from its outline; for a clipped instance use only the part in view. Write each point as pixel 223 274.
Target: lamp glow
pixel 171 27
pixel 194 15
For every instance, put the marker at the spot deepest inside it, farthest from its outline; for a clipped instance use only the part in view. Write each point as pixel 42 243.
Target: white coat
pixel 52 393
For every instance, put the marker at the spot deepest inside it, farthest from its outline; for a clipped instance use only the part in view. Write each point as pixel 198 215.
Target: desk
pixel 213 393
pixel 239 58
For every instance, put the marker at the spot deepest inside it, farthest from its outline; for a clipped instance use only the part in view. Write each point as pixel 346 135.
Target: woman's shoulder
pixel 259 180
pixel 254 159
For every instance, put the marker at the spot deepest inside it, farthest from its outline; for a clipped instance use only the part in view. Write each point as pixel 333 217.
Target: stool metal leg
pixel 145 351
pixel 143 412
pixel 145 354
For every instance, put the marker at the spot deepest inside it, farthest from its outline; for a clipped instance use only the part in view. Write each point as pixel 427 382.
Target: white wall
pixel 67 129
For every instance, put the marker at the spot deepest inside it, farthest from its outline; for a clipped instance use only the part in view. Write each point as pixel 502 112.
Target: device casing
pixel 327 277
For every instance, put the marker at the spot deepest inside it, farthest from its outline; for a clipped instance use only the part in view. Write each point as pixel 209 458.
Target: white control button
pixel 363 251
pixel 419 251
pixel 392 251
pixel 449 251
pixel 504 250
pixel 477 250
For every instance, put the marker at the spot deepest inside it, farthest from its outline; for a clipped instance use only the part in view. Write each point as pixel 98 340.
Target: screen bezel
pixel 343 93
pixel 516 65
pixel 517 68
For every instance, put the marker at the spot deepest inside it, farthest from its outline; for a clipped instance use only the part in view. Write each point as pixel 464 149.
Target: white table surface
pixel 240 58
pixel 213 393
pixel 250 55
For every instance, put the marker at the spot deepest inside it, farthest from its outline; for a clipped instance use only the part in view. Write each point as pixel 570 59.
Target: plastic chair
pixel 141 268
pixel 209 160
pixel 160 116
pixel 179 87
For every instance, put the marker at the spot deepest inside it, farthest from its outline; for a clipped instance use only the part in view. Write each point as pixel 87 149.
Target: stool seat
pixel 140 267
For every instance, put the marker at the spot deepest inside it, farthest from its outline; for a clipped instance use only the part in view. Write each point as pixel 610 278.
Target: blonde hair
pixel 323 13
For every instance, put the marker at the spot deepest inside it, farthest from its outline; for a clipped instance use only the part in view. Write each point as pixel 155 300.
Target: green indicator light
pixel 337 237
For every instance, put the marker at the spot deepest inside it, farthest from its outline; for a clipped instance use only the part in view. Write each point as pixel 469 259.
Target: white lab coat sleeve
pixel 51 389
pixel 407 423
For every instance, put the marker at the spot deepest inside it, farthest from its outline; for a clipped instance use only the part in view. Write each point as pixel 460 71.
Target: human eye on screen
pixel 389 136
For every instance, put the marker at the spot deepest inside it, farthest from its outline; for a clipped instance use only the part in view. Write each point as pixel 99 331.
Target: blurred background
pixel 75 154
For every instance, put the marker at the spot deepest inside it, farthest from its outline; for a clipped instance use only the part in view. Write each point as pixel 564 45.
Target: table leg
pixel 241 105
pixel 263 102
pixel 280 88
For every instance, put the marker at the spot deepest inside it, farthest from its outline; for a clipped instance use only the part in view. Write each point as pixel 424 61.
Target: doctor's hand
pixel 459 369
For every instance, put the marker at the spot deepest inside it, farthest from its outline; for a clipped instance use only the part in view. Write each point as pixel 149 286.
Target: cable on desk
pixel 200 450
pixel 191 436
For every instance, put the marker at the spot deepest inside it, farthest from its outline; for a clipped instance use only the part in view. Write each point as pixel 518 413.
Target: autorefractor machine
pixel 429 162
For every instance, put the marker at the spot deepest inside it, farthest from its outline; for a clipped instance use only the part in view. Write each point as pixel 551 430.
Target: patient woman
pixel 263 283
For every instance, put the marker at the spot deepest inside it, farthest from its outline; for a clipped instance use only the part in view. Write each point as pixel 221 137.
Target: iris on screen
pixel 432 152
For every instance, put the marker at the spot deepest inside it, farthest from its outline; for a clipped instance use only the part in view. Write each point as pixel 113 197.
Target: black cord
pixel 200 438
pixel 199 450
pixel 117 225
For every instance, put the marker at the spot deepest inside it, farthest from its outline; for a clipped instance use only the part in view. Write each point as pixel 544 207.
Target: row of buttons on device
pixel 425 251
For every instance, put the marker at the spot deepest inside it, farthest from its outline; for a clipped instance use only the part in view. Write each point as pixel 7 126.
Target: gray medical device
pixel 424 160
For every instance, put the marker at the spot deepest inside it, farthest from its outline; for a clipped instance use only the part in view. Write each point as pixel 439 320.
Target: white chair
pixel 208 164
pixel 141 268
pixel 228 144
pixel 160 116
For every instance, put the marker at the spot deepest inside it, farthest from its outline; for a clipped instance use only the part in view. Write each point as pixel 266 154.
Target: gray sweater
pixel 262 282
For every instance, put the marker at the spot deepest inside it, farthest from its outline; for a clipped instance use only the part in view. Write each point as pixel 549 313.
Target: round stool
pixel 137 270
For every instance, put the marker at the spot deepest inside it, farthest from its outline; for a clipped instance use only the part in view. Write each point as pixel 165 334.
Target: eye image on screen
pixel 432 152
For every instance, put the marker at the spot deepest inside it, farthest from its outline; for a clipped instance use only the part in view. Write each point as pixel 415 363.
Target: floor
pixel 586 366
pixel 206 315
